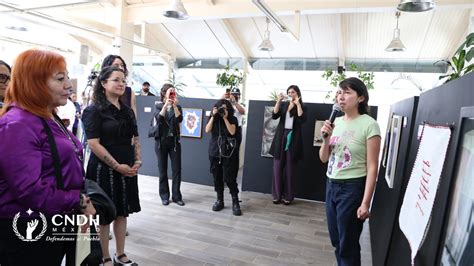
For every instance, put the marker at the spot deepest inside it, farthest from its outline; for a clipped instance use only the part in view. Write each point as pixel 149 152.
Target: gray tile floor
pixel 266 234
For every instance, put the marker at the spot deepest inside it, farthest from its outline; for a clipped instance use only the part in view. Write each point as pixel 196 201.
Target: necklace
pixel 68 136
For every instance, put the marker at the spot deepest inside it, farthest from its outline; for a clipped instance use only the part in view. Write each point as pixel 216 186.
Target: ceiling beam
pixel 227 26
pixel 98 51
pixel 240 9
pixel 340 40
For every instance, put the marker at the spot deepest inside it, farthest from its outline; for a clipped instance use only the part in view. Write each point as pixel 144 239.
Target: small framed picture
pixel 192 123
pixel 392 149
pixel 318 139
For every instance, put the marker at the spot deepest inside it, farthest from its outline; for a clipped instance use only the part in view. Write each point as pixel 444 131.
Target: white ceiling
pixel 344 30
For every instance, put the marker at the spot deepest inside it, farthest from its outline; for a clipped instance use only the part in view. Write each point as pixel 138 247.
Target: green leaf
pixel 470 54
pixel 468 69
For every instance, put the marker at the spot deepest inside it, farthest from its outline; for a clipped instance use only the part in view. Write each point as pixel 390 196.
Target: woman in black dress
pixel 222 124
pixel 110 128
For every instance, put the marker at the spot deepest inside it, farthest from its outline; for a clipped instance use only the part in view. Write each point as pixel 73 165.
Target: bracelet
pixel 138 162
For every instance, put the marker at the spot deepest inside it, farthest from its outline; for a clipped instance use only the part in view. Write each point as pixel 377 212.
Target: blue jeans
pixel 342 201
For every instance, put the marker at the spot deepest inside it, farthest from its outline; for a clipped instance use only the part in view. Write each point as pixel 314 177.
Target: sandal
pixel 118 261
pixel 286 202
pixel 105 260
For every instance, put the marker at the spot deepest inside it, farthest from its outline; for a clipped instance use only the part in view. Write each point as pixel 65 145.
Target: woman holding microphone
pixel 351 146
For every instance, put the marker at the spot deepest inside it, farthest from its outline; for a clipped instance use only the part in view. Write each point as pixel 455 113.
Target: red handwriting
pixel 424 186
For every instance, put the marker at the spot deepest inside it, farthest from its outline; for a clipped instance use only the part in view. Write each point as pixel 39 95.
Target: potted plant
pixel 230 78
pixel 336 77
pixel 459 62
pixel 177 84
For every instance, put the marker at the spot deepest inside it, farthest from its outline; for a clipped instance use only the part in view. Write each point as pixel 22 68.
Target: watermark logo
pixel 31 227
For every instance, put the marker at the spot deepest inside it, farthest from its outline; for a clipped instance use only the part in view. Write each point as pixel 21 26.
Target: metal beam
pixel 77 26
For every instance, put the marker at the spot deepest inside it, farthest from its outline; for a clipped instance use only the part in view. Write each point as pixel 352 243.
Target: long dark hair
pixel 108 60
pixel 294 111
pixel 98 97
pixel 359 87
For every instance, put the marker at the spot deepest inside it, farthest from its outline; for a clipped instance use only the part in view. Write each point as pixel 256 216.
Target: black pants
pixel 224 170
pixel 174 152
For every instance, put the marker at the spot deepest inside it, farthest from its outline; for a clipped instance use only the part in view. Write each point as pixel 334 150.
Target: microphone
pixel 336 108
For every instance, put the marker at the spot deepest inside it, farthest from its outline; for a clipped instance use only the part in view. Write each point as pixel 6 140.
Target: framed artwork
pixel 192 123
pixel 269 128
pixel 392 149
pixel 459 236
pixel 318 139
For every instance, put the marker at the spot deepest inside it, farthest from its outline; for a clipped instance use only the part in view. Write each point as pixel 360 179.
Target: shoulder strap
pixel 54 153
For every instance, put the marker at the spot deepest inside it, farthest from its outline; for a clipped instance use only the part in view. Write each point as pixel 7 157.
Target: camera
pixel 221 111
pixel 93 75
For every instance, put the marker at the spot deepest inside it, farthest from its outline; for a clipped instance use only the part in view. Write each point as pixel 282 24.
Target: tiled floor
pixel 266 234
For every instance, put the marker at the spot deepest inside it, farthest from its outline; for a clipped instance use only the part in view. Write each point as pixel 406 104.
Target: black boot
pixel 219 204
pixel 236 206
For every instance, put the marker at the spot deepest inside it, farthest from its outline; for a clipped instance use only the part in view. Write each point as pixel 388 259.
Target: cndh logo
pixel 31 227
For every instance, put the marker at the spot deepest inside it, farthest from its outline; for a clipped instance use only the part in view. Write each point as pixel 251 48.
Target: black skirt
pixel 123 190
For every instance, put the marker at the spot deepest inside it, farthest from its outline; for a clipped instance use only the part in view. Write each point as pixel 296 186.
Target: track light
pixel 396 44
pixel 277 21
pixel 416 5
pixel 266 44
pixel 176 10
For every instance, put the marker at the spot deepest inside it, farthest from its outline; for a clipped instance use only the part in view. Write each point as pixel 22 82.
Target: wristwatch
pixel 139 163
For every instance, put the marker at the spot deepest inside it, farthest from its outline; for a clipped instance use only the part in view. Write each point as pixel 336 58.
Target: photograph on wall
pixel 392 154
pixel 318 139
pixel 459 241
pixel 269 129
pixel 192 123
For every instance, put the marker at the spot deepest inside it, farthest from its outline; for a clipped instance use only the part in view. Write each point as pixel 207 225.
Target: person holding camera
pixel 223 153
pixel 287 145
pixel 233 95
pixel 167 144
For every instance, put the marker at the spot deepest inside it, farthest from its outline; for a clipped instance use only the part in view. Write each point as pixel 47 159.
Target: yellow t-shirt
pixel 348 158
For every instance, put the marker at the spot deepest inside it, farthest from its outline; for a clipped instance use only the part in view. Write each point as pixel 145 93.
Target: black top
pixel 114 127
pixel 213 147
pixel 168 125
pixel 296 144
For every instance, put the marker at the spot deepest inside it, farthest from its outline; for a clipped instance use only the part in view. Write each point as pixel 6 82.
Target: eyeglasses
pixel 123 81
pixel 4 78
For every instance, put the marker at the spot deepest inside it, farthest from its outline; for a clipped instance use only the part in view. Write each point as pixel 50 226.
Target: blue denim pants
pixel 343 198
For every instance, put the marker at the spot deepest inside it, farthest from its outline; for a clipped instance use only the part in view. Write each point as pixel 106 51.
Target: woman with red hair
pixel 30 190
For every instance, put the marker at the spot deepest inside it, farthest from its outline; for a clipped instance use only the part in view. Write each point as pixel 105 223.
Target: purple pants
pixel 282 187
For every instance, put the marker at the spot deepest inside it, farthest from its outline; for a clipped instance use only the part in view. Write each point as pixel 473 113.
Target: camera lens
pixel 221 111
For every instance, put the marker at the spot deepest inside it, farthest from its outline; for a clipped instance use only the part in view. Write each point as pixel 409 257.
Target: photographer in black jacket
pixel 167 144
pixel 223 153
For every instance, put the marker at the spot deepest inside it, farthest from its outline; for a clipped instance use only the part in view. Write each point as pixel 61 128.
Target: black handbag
pixel 226 144
pixel 103 205
pixel 154 130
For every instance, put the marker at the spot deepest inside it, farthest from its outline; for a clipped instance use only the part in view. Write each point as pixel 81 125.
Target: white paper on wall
pixel 417 205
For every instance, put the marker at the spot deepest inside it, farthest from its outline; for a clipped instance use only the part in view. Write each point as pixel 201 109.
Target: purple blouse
pixel 27 179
